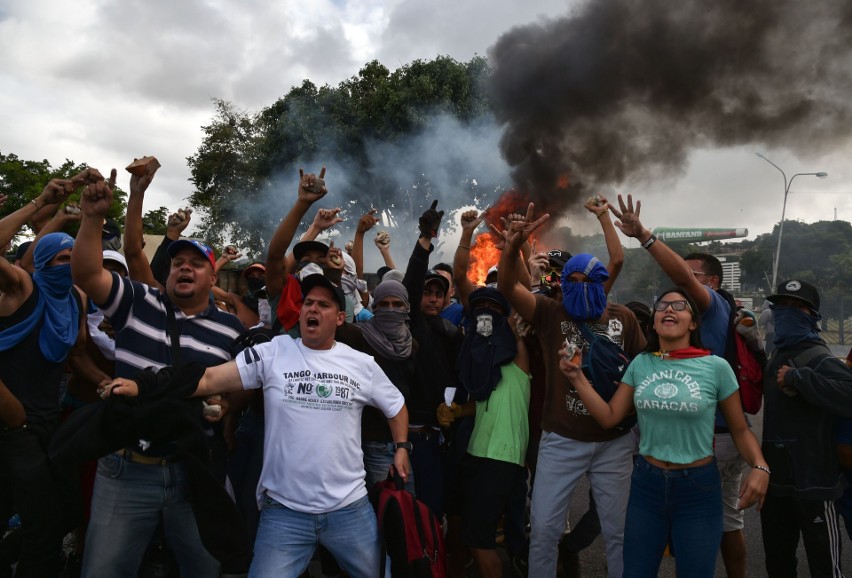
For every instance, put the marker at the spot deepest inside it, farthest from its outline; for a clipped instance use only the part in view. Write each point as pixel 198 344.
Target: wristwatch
pixel 405 446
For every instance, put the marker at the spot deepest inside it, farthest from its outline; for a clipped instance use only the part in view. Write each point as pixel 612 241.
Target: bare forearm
pixel 614 248
pixel 461 265
pixel 87 260
pixel 399 425
pixel 387 257
pixel 283 236
pixel 522 272
pixel 358 254
pixel 11 224
pixel 133 225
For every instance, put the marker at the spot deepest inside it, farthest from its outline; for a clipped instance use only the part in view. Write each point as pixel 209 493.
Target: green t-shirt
pixel 675 401
pixel 502 429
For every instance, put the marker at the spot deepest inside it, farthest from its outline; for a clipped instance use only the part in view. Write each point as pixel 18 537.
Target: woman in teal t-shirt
pixel 675 492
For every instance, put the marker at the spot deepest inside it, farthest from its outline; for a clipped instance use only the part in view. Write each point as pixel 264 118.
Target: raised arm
pixel 229 253
pixel 55 225
pixel 521 270
pixel 599 207
pixel 323 220
pixel 383 244
pixel 138 267
pixel 470 220
pixel 161 263
pixel 311 189
pixel 517 233
pixel 365 223
pixel 670 262
pixel 418 263
pixel 87 259
pixel 14 281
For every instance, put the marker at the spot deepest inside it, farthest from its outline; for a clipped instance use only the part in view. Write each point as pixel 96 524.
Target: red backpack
pixel 749 374
pixel 411 534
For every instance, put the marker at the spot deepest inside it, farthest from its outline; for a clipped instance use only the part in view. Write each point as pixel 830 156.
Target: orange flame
pixel 563 181
pixel 484 254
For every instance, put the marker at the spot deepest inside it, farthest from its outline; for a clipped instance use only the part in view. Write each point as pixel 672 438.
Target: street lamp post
pixel 787 185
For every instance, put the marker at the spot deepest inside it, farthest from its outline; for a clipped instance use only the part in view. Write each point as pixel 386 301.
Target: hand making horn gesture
pixel 311 187
pixel 519 230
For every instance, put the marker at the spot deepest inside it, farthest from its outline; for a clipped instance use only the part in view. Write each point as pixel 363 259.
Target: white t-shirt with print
pixel 313 399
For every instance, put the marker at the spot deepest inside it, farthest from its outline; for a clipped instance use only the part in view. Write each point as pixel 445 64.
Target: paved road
pixel 593 564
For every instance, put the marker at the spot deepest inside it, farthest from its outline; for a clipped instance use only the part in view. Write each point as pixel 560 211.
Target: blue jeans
pixel 378 458
pixel 129 502
pixel 685 505
pixel 561 463
pixel 286 540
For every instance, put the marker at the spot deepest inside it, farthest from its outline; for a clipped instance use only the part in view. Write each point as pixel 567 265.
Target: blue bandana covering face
pixel 584 301
pixel 793 326
pixel 56 305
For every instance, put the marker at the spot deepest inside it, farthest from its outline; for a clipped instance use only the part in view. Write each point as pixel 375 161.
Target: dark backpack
pixel 411 534
pixel 604 365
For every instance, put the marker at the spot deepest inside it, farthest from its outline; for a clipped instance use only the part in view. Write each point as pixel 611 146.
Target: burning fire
pixel 484 254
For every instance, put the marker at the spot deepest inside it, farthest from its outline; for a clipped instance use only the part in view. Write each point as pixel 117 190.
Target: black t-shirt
pixel 31 377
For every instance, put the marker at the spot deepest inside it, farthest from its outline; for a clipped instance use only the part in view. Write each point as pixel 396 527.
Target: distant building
pixel 730 275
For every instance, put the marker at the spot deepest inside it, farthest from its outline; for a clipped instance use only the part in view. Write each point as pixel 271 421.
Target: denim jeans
pixel 130 501
pixel 378 458
pixel 685 505
pixel 561 463
pixel 286 540
pixel 45 496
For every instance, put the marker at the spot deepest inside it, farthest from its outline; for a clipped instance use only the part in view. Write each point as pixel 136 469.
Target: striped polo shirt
pixel 138 316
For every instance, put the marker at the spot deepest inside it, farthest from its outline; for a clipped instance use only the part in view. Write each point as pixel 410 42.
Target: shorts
pixel 487 487
pixel 731 465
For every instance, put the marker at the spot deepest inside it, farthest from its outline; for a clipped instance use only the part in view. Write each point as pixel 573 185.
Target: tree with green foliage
pixel 156 221
pixel 242 156
pixel 21 181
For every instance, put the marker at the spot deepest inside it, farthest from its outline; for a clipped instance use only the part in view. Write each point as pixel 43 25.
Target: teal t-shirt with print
pixel 676 401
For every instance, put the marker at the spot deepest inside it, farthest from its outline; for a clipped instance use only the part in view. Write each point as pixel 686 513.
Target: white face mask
pixel 265 312
pixel 309 269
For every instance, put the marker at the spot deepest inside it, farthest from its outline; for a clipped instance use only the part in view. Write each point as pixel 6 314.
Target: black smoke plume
pixel 622 90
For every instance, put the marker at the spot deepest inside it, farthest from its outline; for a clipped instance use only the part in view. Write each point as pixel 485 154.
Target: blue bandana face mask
pixel 55 281
pixel 793 326
pixel 585 301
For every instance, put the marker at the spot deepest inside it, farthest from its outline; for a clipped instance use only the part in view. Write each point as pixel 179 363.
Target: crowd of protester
pixel 153 421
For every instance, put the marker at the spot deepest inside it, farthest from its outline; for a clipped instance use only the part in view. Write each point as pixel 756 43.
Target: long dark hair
pixel 694 335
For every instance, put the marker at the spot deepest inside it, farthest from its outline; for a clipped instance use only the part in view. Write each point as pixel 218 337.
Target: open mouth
pixel 312 322
pixel 670 319
pixel 184 279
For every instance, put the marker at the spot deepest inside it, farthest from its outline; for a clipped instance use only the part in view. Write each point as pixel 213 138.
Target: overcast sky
pixel 104 82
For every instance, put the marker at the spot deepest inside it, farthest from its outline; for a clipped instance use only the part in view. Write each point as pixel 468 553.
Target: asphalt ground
pixel 593 560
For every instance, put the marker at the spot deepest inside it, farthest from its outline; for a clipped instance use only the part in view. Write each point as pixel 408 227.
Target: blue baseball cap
pixel 176 246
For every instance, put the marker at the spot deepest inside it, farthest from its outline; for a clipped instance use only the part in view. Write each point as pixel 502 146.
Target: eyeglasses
pixel 679 305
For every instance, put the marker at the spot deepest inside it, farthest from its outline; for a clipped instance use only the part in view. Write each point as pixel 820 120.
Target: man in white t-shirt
pixel 312 488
